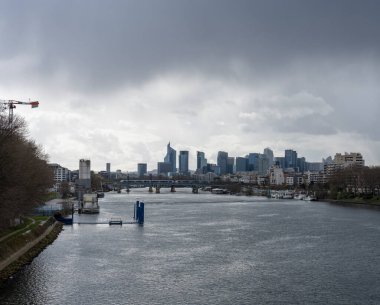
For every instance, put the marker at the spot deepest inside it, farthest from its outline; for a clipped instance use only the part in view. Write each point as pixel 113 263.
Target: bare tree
pixel 24 173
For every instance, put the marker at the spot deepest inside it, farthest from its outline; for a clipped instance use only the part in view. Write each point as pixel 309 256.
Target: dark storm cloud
pixel 212 70
pixel 114 42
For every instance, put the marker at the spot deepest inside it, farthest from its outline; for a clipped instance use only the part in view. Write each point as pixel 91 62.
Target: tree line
pixel 355 181
pixel 24 172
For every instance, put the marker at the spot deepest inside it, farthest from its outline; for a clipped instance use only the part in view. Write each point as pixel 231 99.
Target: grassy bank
pixel 23 236
pixel 22 226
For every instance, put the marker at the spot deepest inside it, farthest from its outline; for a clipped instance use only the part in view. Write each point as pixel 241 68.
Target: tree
pixel 65 190
pixel 96 181
pixel 24 173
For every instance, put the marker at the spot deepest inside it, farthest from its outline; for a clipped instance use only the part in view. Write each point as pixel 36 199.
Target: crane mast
pixel 11 104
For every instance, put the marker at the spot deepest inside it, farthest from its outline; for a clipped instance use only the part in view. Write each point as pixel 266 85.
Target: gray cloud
pixel 193 71
pixel 125 41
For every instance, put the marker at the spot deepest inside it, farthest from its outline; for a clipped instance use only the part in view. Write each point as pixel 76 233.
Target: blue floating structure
pixel 139 212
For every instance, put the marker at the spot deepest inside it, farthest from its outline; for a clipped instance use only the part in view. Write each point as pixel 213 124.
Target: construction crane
pixel 11 104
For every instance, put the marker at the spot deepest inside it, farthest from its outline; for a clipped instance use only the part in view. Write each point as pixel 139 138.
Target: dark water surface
pixel 209 249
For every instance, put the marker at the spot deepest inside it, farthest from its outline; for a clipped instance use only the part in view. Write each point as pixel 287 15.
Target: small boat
pixel 219 191
pixel 299 196
pixel 287 195
pixel 310 198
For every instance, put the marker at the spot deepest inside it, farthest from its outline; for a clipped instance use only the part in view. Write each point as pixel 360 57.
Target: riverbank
pixel 354 203
pixel 18 251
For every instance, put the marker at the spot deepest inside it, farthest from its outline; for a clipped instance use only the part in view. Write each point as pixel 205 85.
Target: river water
pixel 208 249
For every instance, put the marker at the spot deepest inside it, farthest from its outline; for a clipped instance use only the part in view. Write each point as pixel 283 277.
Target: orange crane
pixel 11 104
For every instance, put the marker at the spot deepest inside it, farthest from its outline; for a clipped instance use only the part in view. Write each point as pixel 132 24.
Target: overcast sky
pixel 118 80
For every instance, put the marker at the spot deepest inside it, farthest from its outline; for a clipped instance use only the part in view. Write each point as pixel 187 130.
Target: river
pixel 208 249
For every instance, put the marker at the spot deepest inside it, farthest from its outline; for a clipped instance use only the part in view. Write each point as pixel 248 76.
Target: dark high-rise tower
pixel 141 169
pixel 290 158
pixel 201 160
pixel 222 162
pixel 170 157
pixel 230 165
pixel 184 162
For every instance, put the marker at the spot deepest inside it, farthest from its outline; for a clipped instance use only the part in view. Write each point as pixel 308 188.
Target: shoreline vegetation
pixel 25 178
pixel 355 202
pixel 20 247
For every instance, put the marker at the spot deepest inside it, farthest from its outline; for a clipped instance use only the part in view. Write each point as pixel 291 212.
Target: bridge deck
pixel 108 222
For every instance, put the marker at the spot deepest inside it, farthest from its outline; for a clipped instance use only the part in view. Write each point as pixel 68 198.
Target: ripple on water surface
pixel 208 249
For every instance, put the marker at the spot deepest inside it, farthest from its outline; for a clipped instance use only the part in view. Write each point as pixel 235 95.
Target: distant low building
pixel 208 177
pixel 289 180
pixel 60 174
pixel 314 177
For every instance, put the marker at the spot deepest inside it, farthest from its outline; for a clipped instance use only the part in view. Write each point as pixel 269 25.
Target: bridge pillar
pixel 195 189
pixel 150 189
pixel 172 189
pixel 157 189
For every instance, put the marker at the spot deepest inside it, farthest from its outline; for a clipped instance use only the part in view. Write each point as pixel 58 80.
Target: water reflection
pixel 208 249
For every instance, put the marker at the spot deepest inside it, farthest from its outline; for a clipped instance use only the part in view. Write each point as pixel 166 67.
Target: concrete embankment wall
pixel 27 252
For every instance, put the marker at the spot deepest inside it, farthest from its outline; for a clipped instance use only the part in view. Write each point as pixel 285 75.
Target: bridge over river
pixel 168 183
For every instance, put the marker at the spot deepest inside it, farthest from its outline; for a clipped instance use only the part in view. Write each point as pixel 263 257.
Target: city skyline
pixel 226 163
pixel 117 81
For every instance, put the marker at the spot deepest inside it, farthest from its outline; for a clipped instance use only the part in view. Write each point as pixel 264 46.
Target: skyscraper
pixel 84 169
pixel 141 169
pixel 290 158
pixel 222 160
pixel 83 184
pixel 262 164
pixel 241 164
pixel 253 161
pixel 301 164
pixel 170 157
pixel 269 153
pixel 108 169
pixel 230 165
pixel 184 162
pixel 280 161
pixel 163 168
pixel 201 160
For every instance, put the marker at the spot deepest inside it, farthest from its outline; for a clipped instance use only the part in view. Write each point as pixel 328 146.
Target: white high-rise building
pixel 84 169
pixel 349 159
pixel 276 175
pixel 83 184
